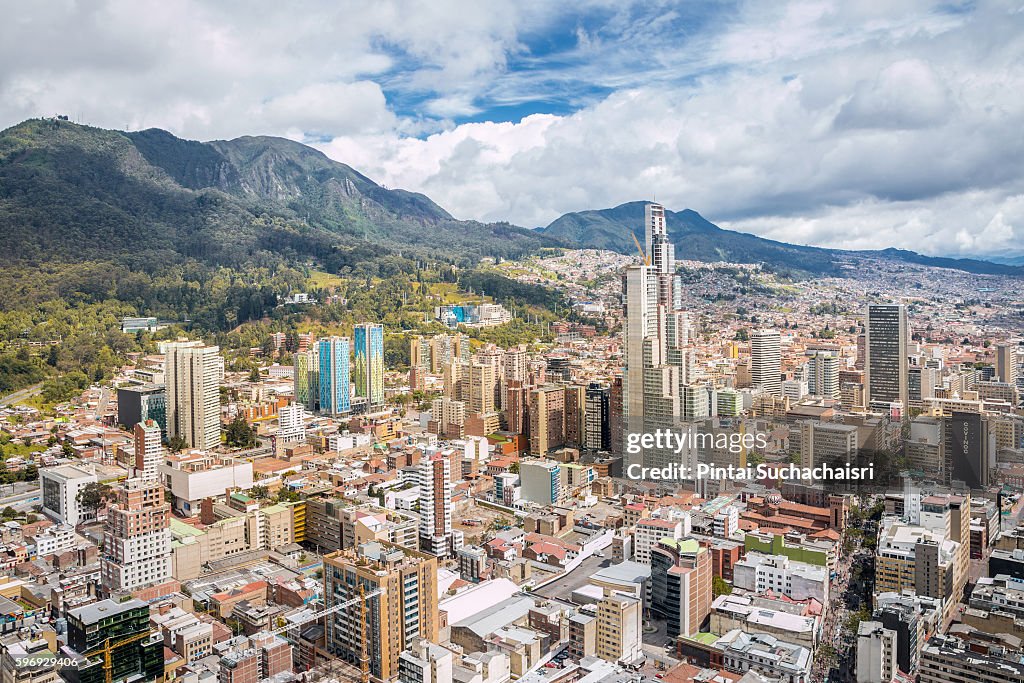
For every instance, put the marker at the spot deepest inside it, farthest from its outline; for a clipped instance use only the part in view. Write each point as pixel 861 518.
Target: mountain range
pixel 698 239
pixel 70 192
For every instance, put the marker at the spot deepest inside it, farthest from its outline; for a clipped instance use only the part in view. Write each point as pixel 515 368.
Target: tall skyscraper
pixel 335 396
pixel 482 387
pixel 660 252
pixel 136 538
pixel 369 362
pixel 597 435
pixel 639 324
pixel 823 374
pixel 885 355
pixel 193 373
pixel 436 534
pixel 1006 363
pixel 547 419
pixel 406 609
pixel 306 366
pixel 766 361
pixel 149 450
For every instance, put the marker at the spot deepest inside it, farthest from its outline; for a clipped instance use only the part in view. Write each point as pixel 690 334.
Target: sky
pixel 849 124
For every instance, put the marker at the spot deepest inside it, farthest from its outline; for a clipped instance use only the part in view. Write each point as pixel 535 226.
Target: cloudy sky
pixel 836 123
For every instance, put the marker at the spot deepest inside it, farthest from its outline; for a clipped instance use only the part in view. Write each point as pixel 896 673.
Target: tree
pixel 93 495
pixel 514 468
pixel 720 586
pixel 239 434
pixel 176 444
pixel 67 449
pixel 9 513
pixel 254 376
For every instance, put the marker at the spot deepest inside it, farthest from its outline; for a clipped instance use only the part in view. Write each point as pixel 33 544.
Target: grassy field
pixel 321 280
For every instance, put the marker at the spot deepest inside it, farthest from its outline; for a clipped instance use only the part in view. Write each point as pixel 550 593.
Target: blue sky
pixel 857 124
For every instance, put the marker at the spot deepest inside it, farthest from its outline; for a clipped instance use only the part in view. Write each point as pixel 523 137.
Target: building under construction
pixel 114 643
pixel 399 591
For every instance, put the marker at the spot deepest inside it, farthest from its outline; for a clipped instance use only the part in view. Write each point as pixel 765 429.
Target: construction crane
pixel 107 650
pixel 643 257
pixel 363 597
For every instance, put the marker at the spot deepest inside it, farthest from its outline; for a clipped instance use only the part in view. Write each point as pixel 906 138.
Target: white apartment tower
pixel 137 538
pixel 149 450
pixel 766 361
pixel 193 374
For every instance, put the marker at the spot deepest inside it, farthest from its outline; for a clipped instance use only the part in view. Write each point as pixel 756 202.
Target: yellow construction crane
pixel 364 655
pixel 107 650
pixel 643 257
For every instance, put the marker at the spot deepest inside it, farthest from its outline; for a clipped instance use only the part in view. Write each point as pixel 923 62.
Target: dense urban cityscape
pixel 512 341
pixel 473 513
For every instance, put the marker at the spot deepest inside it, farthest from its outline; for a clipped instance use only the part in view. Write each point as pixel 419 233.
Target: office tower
pixel 660 252
pixel 876 653
pixel 885 355
pixel 306 366
pixel 575 415
pixel 541 481
pixel 136 652
pixel 823 374
pixel 640 303
pixel 483 380
pixel 368 340
pixel 681 584
pixel 696 402
pixel 193 373
pixel 766 361
pixel 149 451
pixel 969 448
pixel 436 535
pixel 619 628
pixel 862 345
pixel 335 397
pixel 597 435
pixel 406 609
pixel 142 402
pixel 1006 363
pixel 291 424
pixel 547 419
pixel 136 538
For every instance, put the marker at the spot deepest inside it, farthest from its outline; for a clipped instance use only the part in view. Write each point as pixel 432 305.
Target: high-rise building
pixel 575 415
pixel 335 395
pixel 681 575
pixel 619 628
pixel 766 361
pixel 136 652
pixel 639 324
pixel 149 450
pixel 483 378
pixel 142 402
pixel 436 534
pixel 193 373
pixel 660 252
pixel 823 374
pixel 1006 363
pixel 291 423
pixel 136 538
pixel 368 339
pixel 597 435
pixel 876 653
pixel 541 481
pixel 306 366
pixel 885 355
pixel 406 609
pixel 547 419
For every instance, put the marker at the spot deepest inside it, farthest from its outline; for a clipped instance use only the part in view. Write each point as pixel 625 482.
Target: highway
pixel 20 395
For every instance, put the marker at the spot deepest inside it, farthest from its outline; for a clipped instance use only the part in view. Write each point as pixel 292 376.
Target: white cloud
pixel 859 124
